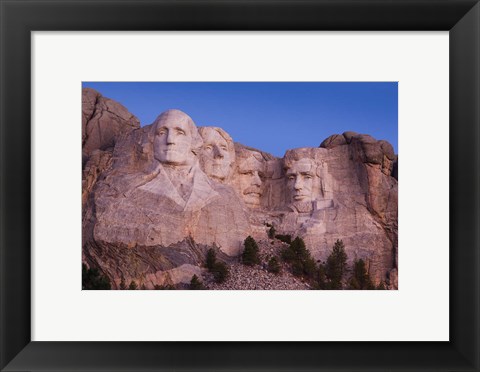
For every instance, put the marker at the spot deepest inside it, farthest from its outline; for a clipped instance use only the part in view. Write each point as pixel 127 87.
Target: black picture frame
pixel 18 18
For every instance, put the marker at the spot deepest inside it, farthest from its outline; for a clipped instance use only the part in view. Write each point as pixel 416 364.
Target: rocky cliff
pixel 156 198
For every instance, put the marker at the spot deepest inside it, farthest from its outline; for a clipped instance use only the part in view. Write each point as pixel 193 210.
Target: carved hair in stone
pixel 218 153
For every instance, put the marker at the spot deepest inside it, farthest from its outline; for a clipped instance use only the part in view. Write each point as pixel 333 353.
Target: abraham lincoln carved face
pixel 300 177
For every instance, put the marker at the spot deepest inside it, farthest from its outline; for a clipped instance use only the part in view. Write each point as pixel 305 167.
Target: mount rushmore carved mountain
pixel 156 198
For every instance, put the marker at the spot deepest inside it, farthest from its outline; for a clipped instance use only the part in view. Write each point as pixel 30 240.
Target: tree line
pixel 328 275
pixel 320 275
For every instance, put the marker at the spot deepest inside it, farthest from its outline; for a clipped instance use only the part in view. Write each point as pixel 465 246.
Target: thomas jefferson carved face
pixel 217 154
pixel 174 139
pixel 300 178
pixel 250 175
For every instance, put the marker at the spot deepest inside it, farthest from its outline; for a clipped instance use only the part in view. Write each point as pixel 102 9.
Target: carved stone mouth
pixel 252 192
pixel 299 197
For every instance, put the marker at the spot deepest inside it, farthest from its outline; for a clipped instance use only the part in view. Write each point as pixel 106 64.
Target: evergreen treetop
pixel 250 255
pixel 92 279
pixel 211 259
pixel 336 264
pixel 195 283
pixel 360 278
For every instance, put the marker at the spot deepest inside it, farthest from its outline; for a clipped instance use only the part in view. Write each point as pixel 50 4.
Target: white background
pixel 417 311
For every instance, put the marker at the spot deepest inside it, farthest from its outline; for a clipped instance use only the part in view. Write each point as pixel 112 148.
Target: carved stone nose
pixel 217 153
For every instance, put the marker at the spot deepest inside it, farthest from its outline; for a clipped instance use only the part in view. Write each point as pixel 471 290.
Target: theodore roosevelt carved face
pixel 218 154
pixel 250 173
pixel 176 139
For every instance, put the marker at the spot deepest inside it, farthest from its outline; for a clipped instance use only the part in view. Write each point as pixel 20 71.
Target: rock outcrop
pixel 157 197
pixel 104 121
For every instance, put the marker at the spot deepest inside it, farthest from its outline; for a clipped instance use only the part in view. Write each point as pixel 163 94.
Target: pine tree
pixel 211 259
pixel 271 232
pixel 309 267
pixel 300 259
pixel 288 254
pixel 360 278
pixel 320 277
pixel 92 279
pixel 336 263
pixel 196 284
pixel 164 287
pixel 381 286
pixel 220 272
pixel 123 286
pixel 218 269
pixel 297 268
pixel 250 255
pixel 354 284
pixel 273 265
pixel 296 251
pixel 299 248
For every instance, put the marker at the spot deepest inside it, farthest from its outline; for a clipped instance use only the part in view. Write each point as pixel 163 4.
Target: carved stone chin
pixel 302 207
pixel 252 198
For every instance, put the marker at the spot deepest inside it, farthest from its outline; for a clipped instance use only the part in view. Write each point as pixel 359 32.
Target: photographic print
pixel 240 186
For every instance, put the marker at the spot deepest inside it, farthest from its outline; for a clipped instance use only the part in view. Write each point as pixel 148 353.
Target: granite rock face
pixel 103 120
pixel 163 194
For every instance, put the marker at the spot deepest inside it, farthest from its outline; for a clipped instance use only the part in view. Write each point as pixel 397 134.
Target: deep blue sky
pixel 272 117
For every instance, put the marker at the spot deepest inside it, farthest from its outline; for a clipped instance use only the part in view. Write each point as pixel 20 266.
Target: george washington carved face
pixel 175 138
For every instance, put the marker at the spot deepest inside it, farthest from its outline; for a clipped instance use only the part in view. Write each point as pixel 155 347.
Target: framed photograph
pixel 254 202
pixel 314 95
